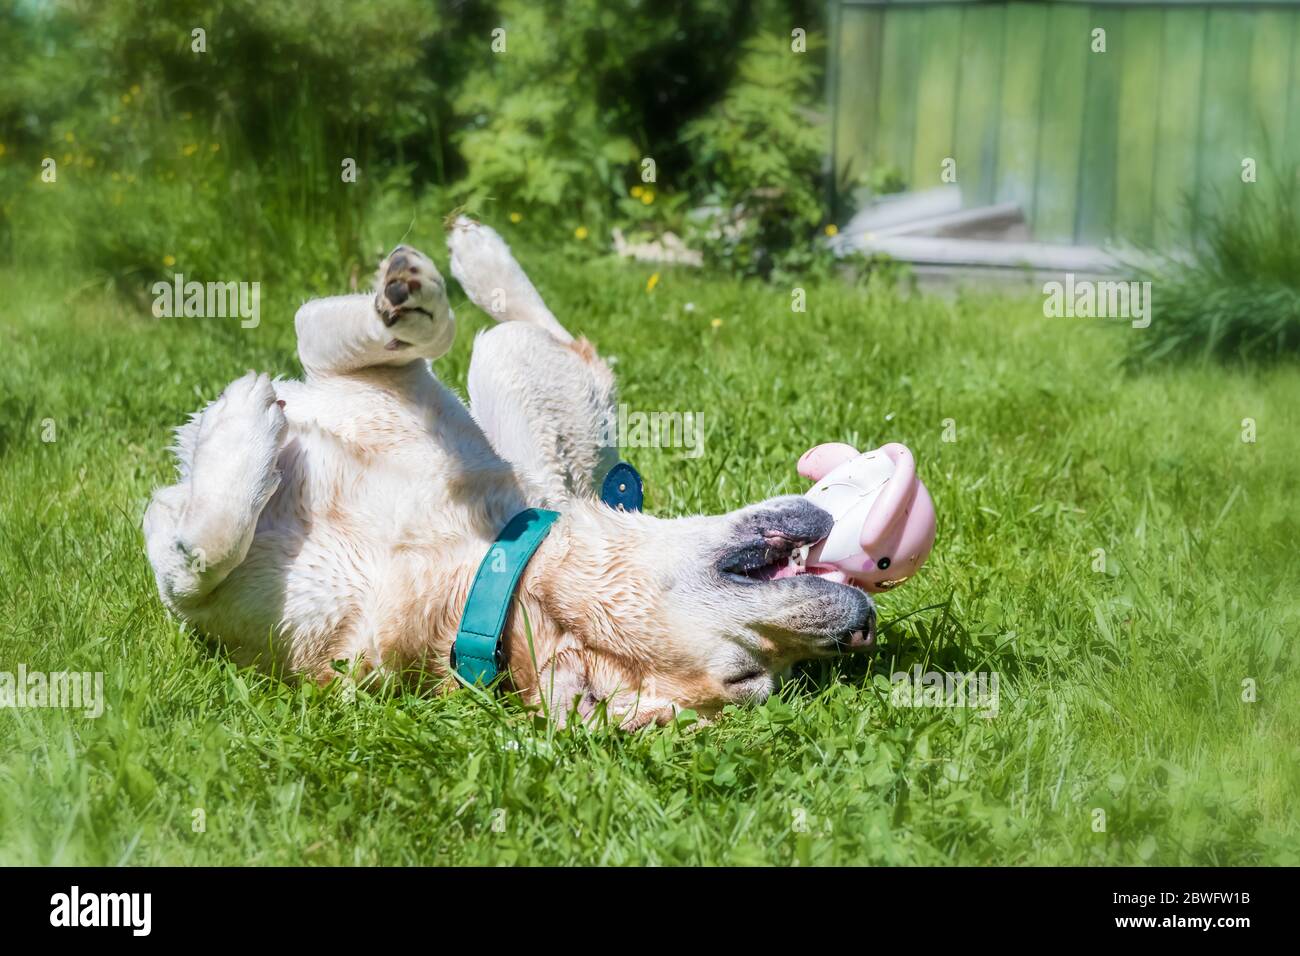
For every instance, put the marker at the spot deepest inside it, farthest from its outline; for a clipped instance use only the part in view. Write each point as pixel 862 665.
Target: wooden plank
pixel 1225 109
pixel 1270 77
pixel 890 212
pixel 979 96
pixel 857 89
pixel 1135 156
pixel 1095 217
pixel 1001 222
pixel 899 67
pixel 936 98
pixel 1022 67
pixel 1067 47
pixel 956 252
pixel 1178 125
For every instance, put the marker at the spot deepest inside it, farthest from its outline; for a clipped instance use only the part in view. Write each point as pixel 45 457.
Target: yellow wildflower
pixel 636 192
pixel 580 232
pixel 832 230
pixel 647 197
pixel 516 217
pixel 169 261
pixel 716 323
pixel 652 282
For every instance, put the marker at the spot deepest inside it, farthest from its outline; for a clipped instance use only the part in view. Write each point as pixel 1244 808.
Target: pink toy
pixel 884 518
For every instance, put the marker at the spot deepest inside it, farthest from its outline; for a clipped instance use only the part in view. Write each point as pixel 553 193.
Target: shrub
pixel 759 163
pixel 1238 295
pixel 558 121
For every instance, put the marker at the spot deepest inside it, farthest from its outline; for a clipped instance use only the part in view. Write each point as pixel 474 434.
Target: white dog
pixel 343 518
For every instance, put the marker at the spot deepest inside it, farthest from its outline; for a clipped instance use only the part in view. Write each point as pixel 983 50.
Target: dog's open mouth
pixel 777 558
pixel 780 558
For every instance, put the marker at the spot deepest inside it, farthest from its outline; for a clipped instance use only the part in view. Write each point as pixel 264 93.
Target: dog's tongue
pixel 830 574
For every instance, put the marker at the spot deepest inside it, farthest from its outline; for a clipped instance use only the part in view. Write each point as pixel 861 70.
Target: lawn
pixel 1148 694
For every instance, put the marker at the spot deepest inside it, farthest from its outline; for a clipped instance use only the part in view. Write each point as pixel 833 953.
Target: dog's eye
pixel 883 564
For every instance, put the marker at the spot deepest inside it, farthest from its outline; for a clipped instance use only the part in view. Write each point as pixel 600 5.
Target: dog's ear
pixel 632 708
pixel 564 688
pixel 576 689
pixel 643 711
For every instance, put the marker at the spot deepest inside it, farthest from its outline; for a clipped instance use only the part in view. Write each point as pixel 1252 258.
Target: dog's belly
pixel 359 556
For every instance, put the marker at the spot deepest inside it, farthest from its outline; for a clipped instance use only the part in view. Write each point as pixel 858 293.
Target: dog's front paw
pixel 411 301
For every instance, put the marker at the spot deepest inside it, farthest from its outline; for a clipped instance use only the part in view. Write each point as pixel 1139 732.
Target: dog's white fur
pixel 342 518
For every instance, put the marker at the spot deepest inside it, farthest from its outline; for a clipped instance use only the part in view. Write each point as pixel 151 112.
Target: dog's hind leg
pixel 484 266
pixel 546 400
pixel 548 408
pixel 197 531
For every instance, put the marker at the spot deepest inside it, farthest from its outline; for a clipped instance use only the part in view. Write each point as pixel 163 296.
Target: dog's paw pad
pixel 410 291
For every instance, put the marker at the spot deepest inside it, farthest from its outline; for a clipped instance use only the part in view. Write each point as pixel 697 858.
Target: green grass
pixel 1120 690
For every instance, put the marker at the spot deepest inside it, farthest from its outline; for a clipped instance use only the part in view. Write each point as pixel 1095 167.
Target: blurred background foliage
pixel 228 162
pixel 1237 295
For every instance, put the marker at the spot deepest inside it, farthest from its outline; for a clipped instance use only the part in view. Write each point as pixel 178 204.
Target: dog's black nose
pixel 864 636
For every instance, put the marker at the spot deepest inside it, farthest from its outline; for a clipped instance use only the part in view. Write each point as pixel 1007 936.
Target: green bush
pixel 759 164
pixel 556 120
pixel 1238 295
pixel 536 135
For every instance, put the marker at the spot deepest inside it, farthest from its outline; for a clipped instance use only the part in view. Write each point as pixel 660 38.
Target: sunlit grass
pixel 1121 689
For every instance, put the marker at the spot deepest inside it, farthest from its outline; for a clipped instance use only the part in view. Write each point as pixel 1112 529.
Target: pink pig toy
pixel 884 518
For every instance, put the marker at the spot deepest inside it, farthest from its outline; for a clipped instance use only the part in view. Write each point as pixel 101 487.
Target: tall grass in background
pixel 186 198
pixel 1237 296
pixel 223 163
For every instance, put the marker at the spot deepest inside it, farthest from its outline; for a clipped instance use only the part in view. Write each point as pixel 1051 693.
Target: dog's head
pixel 651 616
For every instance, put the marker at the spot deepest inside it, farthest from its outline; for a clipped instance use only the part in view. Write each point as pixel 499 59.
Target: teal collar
pixel 476 654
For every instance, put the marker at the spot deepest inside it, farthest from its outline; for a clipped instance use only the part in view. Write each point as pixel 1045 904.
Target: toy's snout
pixel 884 516
pixel 899 530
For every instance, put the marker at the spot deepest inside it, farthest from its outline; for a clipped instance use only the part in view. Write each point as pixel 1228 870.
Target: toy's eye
pixel 883 564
